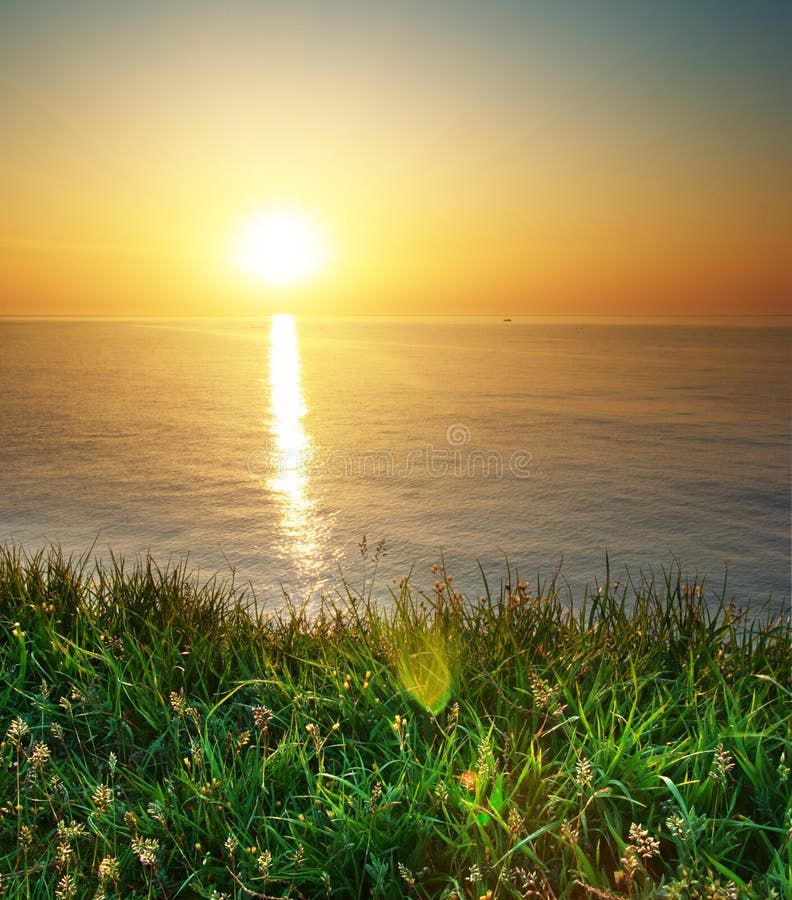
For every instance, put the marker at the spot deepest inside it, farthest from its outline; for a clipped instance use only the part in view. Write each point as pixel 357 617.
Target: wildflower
pixel 441 792
pixel 399 725
pixel 56 730
pixel 112 762
pixel 783 768
pixel 242 741
pixel 474 874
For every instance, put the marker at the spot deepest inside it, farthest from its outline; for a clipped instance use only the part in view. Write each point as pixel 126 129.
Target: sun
pixel 281 246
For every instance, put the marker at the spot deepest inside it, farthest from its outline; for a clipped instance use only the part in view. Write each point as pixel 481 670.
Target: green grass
pixel 163 739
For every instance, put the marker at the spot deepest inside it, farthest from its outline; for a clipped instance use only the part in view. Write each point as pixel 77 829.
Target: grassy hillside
pixel 161 739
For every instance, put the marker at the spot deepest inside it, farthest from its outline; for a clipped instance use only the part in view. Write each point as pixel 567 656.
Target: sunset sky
pixel 534 158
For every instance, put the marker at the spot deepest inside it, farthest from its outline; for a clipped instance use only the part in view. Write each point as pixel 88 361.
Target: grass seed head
pixel 145 849
pixel 584 774
pixel 264 862
pixel 108 869
pixel 66 888
pixel 25 838
pixel 722 764
pixel 102 798
pixel 262 718
pixel 64 854
pixel 16 731
pixel 231 844
pixel 39 756
pixel 642 842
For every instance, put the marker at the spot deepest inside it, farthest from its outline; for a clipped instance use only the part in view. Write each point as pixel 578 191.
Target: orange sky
pixel 463 158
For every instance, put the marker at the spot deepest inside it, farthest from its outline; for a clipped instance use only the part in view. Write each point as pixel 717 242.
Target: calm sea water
pixel 270 448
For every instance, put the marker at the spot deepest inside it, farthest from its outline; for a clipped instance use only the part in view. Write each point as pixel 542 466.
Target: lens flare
pixel 425 671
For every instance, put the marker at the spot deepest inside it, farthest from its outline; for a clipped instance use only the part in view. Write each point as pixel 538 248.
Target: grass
pixel 162 739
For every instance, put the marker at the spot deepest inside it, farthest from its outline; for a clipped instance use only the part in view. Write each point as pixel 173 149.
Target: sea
pixel 296 456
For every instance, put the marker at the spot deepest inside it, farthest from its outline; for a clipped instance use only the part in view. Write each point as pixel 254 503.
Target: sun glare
pixel 281 246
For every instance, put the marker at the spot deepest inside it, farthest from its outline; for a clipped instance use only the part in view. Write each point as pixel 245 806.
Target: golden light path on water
pixel 424 666
pixel 301 533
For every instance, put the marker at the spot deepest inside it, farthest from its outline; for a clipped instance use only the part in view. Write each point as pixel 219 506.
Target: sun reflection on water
pixel 301 533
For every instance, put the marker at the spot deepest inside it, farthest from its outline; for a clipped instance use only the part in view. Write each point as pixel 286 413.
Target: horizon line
pixel 496 316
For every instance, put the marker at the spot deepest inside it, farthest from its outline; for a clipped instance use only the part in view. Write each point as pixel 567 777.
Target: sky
pixel 520 158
